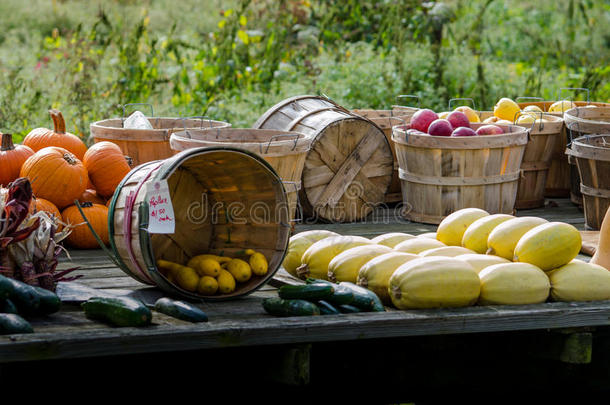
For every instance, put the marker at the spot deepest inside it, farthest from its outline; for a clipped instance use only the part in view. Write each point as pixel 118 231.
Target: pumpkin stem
pixel 7 142
pixel 70 158
pixel 59 124
pixel 86 204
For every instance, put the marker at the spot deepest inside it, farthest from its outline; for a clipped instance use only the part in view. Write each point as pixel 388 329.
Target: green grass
pixel 232 60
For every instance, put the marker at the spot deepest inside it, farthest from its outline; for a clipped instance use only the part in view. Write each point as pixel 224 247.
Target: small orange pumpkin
pixel 81 236
pixel 43 137
pixel 11 159
pixel 56 175
pixel 40 204
pixel 106 166
pixel 90 195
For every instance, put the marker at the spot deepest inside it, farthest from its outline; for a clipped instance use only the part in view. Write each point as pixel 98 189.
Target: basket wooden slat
pixel 386 119
pixel 225 200
pixel 349 167
pixel 443 174
pixel 146 145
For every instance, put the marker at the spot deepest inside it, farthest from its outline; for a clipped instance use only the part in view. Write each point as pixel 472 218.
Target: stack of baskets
pixel 589 131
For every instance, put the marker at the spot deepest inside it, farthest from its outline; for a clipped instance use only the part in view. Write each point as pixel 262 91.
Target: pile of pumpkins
pixel 62 170
pixel 473 258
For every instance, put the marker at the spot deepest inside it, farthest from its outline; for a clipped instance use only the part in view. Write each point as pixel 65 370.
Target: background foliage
pixel 233 59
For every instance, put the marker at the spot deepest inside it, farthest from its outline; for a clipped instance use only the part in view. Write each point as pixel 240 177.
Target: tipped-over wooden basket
pixel 147 145
pixel 441 175
pixel 284 151
pixel 225 200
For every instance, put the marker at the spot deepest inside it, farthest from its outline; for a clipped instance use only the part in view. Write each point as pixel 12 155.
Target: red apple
pixel 490 130
pixel 458 119
pixel 463 131
pixel 440 127
pixel 422 119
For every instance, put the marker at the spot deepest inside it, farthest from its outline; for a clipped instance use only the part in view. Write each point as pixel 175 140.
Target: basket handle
pixel 295 136
pixel 521 113
pixel 152 111
pixel 201 117
pixel 409 96
pixel 569 128
pixel 560 91
pixel 330 100
pixel 463 99
pixel 96 236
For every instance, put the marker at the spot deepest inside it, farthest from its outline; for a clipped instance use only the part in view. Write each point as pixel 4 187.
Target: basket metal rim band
pixel 594 192
pixel 458 181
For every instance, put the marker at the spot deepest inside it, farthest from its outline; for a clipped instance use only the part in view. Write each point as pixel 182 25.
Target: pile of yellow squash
pixel 473 258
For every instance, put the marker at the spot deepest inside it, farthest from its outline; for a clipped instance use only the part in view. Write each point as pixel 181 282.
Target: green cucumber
pixel 7 307
pixel 291 307
pixel 180 310
pixel 362 299
pixel 377 304
pixel 49 301
pixel 118 311
pixel 349 309
pixel 24 296
pixel 342 294
pixel 312 292
pixel 326 308
pixel 6 287
pixel 12 324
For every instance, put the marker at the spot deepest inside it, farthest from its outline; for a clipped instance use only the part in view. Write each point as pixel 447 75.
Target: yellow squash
pixel 504 237
pixel 447 251
pixel 187 278
pixel 451 229
pixel 434 282
pixel 226 282
pixel 418 245
pixel 549 245
pixel 479 261
pixel 258 263
pixel 240 270
pixel 346 265
pixel 206 267
pixel 506 109
pixel 513 284
pixel 207 285
pixel 317 257
pixel 375 274
pixel 391 239
pixel 580 281
pixel 475 237
pixel 427 235
pixel 298 244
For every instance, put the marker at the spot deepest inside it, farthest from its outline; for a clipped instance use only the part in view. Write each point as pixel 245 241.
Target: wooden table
pixel 427 348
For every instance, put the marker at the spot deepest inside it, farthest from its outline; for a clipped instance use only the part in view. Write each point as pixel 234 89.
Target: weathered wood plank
pixel 221 332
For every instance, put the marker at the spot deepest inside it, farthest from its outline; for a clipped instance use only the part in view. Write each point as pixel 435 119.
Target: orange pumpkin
pixel 106 166
pixel 11 159
pixel 90 195
pixel 81 236
pixel 43 137
pixel 40 204
pixel 56 175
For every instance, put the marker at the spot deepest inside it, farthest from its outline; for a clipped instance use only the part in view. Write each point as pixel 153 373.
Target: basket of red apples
pixel 446 164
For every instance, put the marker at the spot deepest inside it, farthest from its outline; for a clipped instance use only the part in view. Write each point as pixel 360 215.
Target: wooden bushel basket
pixel 558 182
pixel 592 155
pixel 582 121
pixel 284 151
pixel 146 145
pixel 225 200
pixel 349 167
pixel 441 175
pixel 386 119
pixel 537 160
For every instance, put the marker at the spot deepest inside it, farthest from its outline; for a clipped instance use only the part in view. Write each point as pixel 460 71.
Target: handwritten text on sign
pixel 161 217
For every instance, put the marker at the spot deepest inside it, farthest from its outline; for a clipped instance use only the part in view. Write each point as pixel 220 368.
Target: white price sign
pixel 161 217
